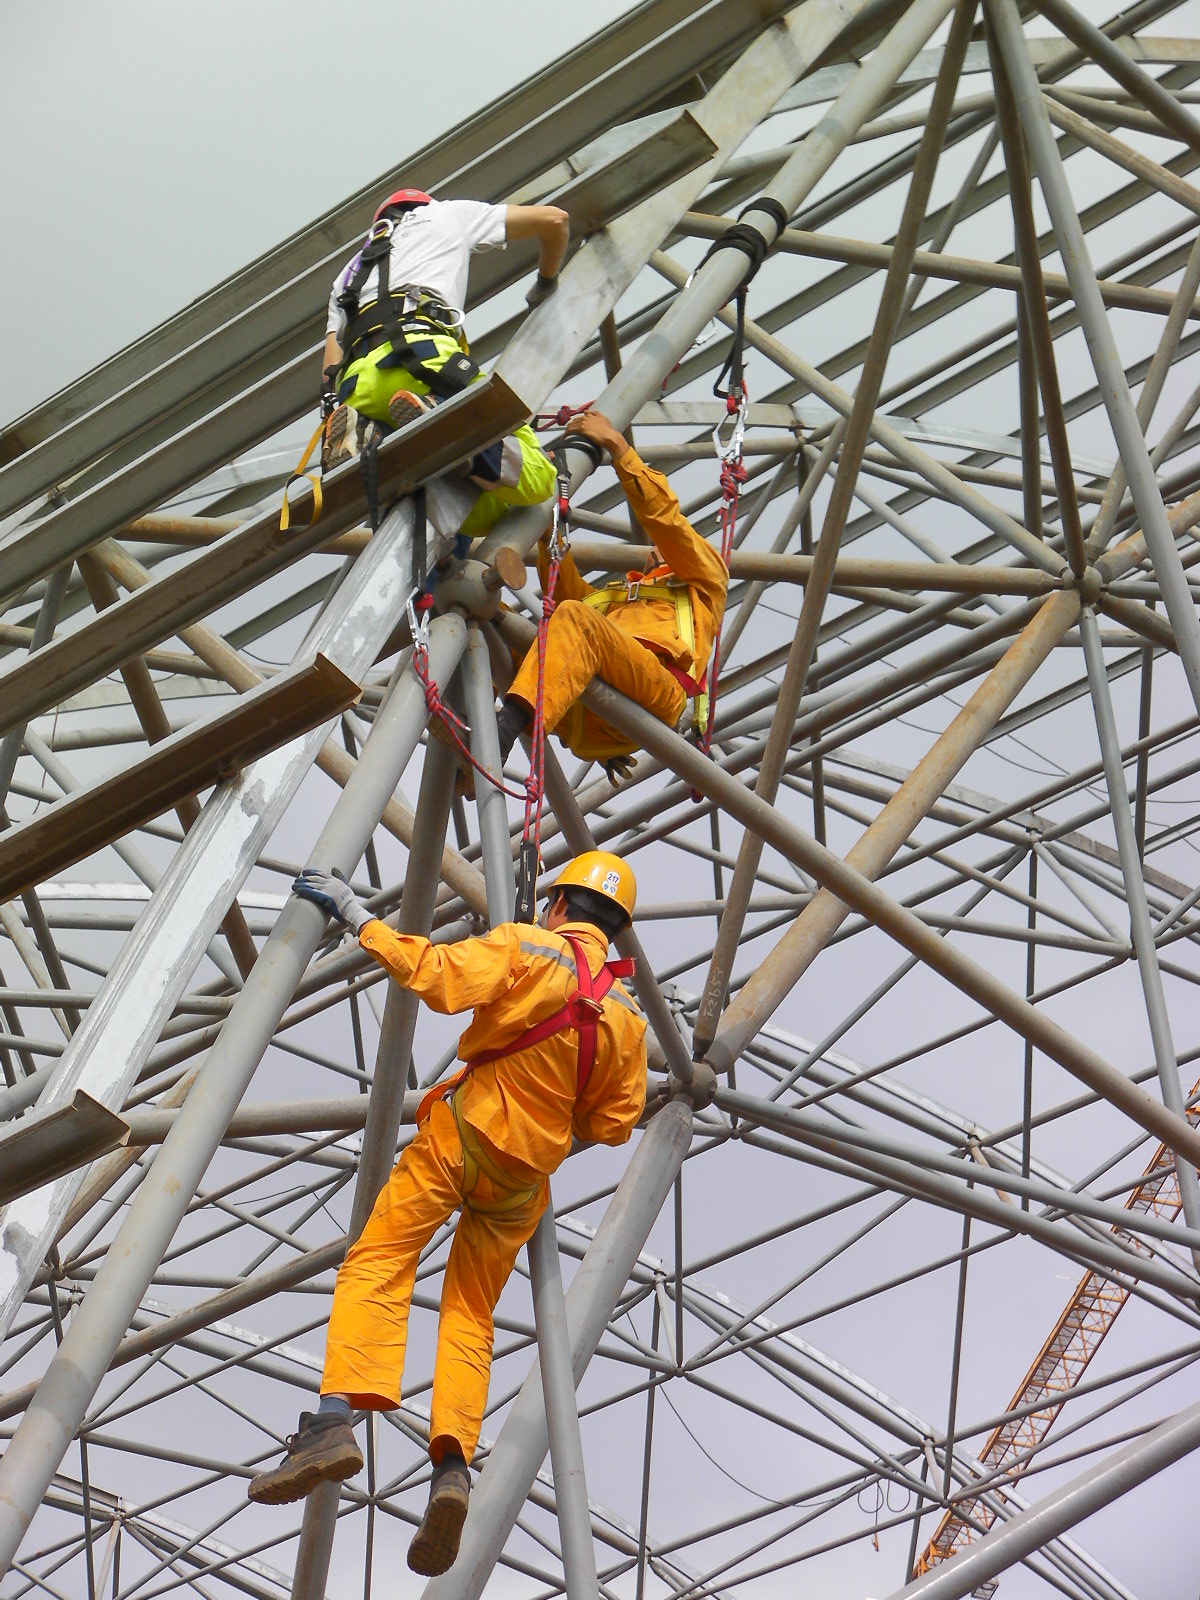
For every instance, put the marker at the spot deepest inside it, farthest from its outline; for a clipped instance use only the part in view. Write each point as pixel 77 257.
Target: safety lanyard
pixel 733 476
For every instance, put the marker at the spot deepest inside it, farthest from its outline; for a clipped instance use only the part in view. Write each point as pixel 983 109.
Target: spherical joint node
pixel 700 1088
pixel 1089 583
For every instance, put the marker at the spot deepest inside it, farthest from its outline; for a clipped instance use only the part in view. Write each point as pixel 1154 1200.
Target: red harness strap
pixel 580 1012
pixel 691 686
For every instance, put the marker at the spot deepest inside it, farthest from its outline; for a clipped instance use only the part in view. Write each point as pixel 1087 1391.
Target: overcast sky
pixel 152 149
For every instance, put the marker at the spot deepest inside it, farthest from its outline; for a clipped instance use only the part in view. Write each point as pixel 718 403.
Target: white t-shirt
pixel 431 248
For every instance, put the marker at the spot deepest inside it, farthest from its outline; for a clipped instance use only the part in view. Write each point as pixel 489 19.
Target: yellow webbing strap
pixel 681 596
pixel 677 593
pixel 477 1160
pixel 313 478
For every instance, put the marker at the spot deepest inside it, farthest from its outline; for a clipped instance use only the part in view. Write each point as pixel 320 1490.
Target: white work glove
pixel 542 289
pixel 333 894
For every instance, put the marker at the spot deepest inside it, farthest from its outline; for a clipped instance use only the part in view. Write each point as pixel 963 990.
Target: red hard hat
pixel 403 197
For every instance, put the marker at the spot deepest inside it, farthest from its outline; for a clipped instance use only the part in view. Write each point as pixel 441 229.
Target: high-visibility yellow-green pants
pixel 527 474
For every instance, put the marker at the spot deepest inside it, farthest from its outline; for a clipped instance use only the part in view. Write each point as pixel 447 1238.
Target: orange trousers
pixel 368 1326
pixel 582 644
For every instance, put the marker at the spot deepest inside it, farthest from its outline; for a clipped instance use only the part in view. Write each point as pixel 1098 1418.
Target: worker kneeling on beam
pixel 555 1051
pixel 648 637
pixel 394 342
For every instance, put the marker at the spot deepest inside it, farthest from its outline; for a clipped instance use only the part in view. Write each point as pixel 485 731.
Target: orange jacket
pixel 524 1105
pixel 687 556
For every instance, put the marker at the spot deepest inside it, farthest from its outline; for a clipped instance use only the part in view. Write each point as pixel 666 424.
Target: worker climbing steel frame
pixel 835 823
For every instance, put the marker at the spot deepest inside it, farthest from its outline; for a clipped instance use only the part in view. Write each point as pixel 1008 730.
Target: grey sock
pixel 332 1405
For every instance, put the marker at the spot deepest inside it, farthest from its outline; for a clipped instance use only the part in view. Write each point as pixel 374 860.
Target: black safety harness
pixel 399 317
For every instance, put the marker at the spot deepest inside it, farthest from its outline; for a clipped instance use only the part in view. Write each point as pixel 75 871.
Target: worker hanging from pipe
pixel 555 1051
pixel 648 637
pixel 395 345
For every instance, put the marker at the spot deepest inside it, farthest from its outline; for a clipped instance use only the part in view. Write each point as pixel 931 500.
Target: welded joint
pixel 1090 583
pixel 700 1087
pixel 719 1057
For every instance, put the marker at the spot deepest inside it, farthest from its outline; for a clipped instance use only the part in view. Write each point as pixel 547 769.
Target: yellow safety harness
pixel 511 1193
pixel 676 593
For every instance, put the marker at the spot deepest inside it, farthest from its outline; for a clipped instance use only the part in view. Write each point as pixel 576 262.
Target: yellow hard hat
pixel 604 874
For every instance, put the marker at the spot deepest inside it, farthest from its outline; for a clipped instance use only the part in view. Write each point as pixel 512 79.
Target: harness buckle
pixel 591 1003
pixel 633 587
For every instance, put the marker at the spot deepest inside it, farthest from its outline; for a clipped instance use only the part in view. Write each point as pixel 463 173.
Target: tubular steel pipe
pixel 520 1447
pixel 154 965
pixel 947 1181
pixel 934 264
pixel 860 894
pixel 91 1341
pixel 719 276
pixel 1140 926
pixel 550 1317
pixel 1114 387
pixel 825 912
pixel 562 1417
pixel 1063 1508
pixel 476 675
pixel 1141 84
pixel 228 664
pixel 386 1105
pixel 1148 396
pixel 816 591
pixel 1036 310
pixel 936 474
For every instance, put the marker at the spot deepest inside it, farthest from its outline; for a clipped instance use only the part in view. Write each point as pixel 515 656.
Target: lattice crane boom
pixel 1059 1365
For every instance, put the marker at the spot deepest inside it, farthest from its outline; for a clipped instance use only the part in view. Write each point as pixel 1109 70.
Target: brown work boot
pixel 435 1543
pixel 338 443
pixel 405 407
pixel 322 1450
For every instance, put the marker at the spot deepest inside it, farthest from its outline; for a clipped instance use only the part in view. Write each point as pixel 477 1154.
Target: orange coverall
pixel 626 644
pixel 518 1115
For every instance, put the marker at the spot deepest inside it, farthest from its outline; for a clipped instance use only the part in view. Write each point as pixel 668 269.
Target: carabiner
pixel 560 522
pixel 418 621
pixel 736 403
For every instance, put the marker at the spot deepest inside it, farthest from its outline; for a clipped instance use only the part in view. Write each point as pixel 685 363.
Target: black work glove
pixel 619 768
pixel 542 289
pixel 329 384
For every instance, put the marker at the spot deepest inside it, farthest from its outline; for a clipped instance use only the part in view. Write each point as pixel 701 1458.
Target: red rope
pixel 733 476
pixel 437 707
pixel 534 790
pixel 558 419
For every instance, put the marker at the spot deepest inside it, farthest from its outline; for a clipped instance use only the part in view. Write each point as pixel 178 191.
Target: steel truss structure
pixel 923 1012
